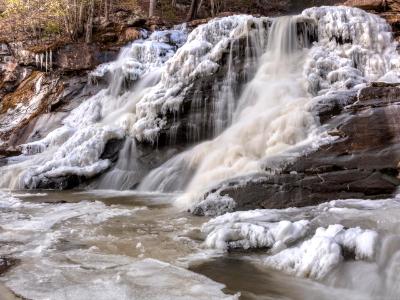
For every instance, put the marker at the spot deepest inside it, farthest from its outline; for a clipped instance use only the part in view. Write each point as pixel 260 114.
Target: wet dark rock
pixel 112 149
pixel 296 190
pixel 59 183
pixel 7 152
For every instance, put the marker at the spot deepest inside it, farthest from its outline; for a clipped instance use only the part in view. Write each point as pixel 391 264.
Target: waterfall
pixel 242 83
pixel 271 116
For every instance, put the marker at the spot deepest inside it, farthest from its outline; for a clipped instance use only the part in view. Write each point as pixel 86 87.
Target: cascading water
pixel 271 114
pixel 270 117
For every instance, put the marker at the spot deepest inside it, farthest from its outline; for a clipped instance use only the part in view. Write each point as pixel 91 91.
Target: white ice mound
pixel 317 256
pixel 243 230
pixel 79 155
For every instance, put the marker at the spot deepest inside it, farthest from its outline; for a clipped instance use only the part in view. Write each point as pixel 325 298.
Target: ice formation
pixel 253 235
pixel 292 244
pixel 317 256
pixel 273 114
pixel 80 155
pixel 143 56
pixel 82 139
pixel 354 47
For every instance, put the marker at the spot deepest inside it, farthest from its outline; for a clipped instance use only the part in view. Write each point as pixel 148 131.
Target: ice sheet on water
pixel 33 232
pixel 111 277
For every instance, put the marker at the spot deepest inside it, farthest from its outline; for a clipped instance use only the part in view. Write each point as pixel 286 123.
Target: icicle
pixel 37 60
pixel 46 60
pixel 51 59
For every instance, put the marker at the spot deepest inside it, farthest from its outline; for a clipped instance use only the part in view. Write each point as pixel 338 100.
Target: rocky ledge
pixel 361 162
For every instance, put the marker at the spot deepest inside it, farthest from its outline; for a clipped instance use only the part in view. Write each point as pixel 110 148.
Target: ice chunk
pixel 214 205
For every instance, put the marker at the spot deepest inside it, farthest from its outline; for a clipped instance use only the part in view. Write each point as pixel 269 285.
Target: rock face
pixel 39 97
pixel 363 161
pixel 76 57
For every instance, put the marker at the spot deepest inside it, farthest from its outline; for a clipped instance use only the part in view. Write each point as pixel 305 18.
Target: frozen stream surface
pixel 129 245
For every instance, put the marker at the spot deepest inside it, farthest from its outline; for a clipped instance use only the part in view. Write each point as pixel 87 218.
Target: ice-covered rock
pixel 214 205
pixel 80 156
pixel 245 230
pixel 317 256
pixel 292 243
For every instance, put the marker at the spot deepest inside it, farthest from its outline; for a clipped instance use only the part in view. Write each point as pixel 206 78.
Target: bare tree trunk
pixel 89 24
pixel 212 4
pixel 68 28
pixel 80 27
pixel 192 10
pixel 152 7
pixel 173 3
pixel 106 9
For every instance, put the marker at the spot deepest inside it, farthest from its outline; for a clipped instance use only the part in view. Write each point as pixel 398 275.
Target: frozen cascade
pixel 286 61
